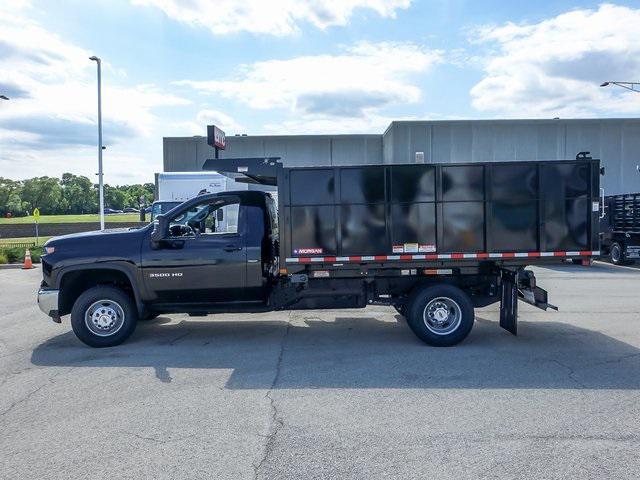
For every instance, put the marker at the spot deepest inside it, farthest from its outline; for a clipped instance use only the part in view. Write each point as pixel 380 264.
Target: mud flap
pixel 509 301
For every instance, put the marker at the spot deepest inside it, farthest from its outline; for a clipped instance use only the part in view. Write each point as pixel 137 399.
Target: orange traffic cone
pixel 27 260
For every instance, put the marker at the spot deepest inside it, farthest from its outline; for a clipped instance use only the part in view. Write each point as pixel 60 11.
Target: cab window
pixel 217 217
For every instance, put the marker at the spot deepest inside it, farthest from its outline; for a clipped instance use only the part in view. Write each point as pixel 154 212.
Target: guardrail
pixel 17 245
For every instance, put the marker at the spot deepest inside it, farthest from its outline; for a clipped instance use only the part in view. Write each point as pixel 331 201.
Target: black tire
pixel 103 302
pixel 616 254
pixel 440 299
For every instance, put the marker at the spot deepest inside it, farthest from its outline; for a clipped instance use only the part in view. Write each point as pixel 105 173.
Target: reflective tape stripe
pixel 441 256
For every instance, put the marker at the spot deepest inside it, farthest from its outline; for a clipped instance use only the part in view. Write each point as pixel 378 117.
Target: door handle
pixel 232 248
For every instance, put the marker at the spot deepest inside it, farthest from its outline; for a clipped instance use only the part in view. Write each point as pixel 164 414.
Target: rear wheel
pixel 103 316
pixel 440 315
pixel 617 254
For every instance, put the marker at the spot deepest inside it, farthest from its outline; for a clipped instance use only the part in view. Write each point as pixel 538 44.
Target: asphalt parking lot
pixel 331 394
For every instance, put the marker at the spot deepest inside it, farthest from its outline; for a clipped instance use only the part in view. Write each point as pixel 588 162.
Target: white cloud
pixel 52 85
pixel 222 120
pixel 207 117
pixel 554 67
pixel 274 17
pixel 362 79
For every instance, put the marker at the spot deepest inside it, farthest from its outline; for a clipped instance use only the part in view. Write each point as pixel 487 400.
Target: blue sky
pixel 292 66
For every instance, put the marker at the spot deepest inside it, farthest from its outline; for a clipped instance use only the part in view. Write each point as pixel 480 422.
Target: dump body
pixel 510 213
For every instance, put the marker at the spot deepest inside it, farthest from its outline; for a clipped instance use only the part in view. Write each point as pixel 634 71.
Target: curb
pixel 13 266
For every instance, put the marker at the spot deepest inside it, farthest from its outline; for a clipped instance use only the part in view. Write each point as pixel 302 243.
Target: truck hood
pixel 118 244
pixel 95 234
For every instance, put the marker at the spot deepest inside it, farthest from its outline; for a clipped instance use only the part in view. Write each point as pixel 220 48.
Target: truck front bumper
pixel 48 303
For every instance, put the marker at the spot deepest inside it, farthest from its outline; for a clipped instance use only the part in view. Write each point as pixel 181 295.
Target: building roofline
pixel 325 135
pixel 424 122
pixel 519 120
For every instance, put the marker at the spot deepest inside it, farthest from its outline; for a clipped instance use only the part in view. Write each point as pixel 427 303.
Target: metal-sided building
pixel 615 141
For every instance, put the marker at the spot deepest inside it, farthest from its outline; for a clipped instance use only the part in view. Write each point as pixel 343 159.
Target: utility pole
pixel 100 176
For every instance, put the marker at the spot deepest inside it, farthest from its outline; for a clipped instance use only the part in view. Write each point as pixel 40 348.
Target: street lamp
pixel 100 179
pixel 633 86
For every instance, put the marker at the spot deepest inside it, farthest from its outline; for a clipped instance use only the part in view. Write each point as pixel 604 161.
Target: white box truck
pixel 173 188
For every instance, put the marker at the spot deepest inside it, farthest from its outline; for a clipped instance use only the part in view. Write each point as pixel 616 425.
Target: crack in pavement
pixel 276 422
pixel 50 381
pixel 617 360
pixel 8 375
pixel 571 373
pixel 160 441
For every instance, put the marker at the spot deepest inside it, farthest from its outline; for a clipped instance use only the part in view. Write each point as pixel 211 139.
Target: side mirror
pixel 159 232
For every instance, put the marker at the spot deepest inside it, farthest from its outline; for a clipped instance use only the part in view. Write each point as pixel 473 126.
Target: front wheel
pixel 441 315
pixel 617 254
pixel 103 316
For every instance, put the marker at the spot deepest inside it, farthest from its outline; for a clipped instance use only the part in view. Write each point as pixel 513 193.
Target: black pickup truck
pixel 432 240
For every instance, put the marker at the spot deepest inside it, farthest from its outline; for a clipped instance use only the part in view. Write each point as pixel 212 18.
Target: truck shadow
pixel 363 352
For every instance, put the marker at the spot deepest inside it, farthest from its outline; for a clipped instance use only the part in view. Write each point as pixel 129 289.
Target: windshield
pixel 162 207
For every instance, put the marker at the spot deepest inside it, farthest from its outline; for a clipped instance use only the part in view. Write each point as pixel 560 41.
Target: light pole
pixel 100 179
pixel 633 86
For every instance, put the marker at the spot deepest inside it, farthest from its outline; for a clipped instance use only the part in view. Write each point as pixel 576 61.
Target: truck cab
pixel 217 249
pixel 216 252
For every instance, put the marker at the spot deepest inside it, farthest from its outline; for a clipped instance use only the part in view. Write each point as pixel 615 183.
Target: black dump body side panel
pixel 438 210
pixel 622 214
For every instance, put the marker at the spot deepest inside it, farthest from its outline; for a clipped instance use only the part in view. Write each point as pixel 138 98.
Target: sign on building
pixel 216 137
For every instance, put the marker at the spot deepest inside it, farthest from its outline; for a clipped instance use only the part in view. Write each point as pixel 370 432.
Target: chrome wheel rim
pixel 615 253
pixel 104 318
pixel 442 316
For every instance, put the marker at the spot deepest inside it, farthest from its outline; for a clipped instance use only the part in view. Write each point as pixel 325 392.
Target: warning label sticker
pixel 414 248
pixel 410 248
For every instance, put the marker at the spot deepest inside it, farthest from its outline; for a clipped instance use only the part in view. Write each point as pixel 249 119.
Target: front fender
pixel 127 268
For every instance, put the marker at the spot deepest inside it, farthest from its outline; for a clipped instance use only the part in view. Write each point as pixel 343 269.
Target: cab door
pixel 203 259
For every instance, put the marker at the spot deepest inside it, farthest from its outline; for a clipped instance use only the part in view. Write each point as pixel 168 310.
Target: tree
pixel 44 193
pixel 114 197
pixel 79 193
pixel 72 194
pixel 10 201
